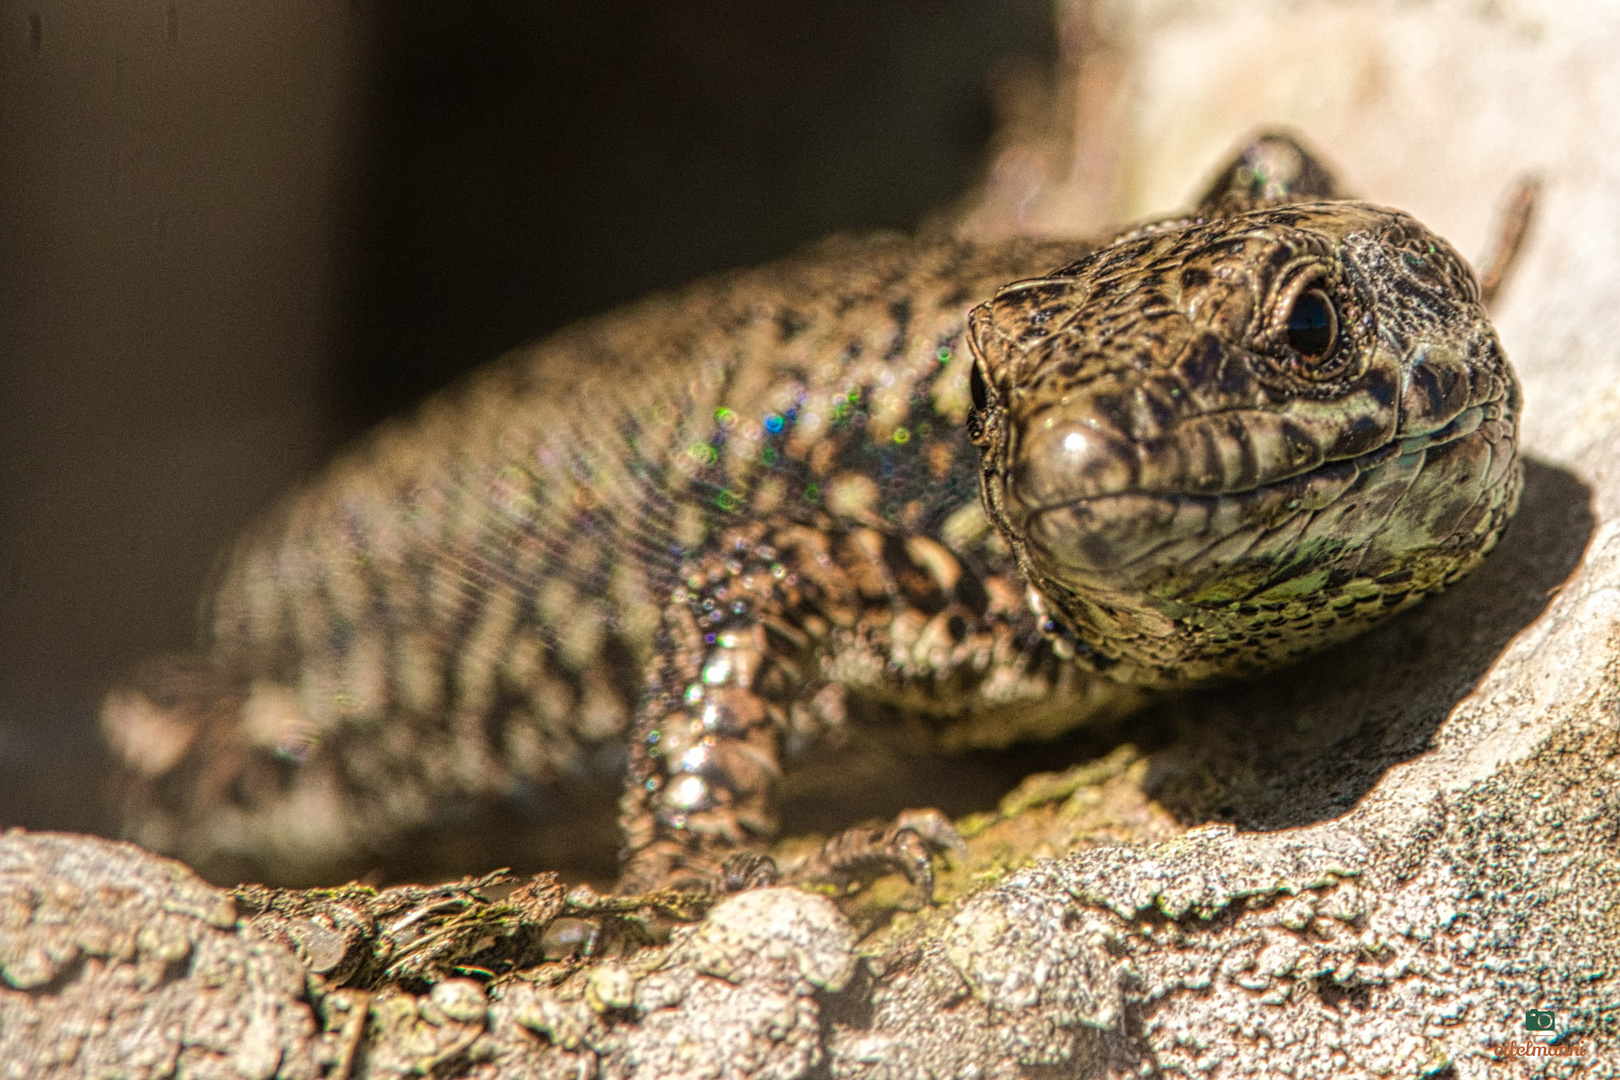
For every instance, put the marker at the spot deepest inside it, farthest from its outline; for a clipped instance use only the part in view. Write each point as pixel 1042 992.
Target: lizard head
pixel 1220 442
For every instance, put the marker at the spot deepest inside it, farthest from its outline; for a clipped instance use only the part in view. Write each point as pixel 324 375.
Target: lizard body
pixel 689 528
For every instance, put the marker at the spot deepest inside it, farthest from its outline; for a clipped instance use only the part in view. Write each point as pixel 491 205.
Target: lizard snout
pixel 1059 460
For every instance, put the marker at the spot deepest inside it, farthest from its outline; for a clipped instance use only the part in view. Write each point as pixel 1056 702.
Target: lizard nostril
pixel 978 418
pixel 977 387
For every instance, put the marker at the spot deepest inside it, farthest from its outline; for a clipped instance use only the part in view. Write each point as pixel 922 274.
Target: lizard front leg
pixel 741 642
pixel 731 654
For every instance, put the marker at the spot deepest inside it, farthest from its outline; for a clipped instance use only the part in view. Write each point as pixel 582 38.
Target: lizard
pixel 1009 487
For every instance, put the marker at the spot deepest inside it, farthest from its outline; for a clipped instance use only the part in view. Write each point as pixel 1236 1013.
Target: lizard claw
pixel 907 844
pixel 665 868
pixel 748 870
pixel 935 828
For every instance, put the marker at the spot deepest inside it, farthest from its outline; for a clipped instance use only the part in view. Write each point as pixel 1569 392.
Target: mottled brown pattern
pixel 692 529
pixel 1195 500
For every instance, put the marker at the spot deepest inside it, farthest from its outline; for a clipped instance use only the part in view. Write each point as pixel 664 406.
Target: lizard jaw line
pixel 1103 537
pixel 1459 427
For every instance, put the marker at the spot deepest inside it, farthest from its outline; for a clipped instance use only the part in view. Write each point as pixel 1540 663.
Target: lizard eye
pixel 1313 327
pixel 980 392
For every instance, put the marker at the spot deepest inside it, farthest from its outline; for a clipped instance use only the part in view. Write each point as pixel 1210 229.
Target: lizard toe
pixel 908 845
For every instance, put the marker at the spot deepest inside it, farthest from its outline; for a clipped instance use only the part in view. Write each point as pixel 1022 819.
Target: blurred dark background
pixel 232 234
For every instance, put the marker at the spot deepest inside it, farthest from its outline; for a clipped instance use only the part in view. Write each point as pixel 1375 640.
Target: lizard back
pixel 463 604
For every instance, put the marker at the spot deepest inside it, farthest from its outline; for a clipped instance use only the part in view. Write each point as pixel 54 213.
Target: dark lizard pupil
pixel 981 395
pixel 1311 324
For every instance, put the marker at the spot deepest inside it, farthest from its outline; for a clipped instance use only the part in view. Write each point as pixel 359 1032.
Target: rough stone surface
pixel 114 962
pixel 737 995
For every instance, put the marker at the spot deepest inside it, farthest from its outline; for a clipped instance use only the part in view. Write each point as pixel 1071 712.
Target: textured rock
pixel 116 962
pixel 119 963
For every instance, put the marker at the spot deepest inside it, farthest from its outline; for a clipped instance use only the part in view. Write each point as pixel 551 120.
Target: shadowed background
pixel 233 234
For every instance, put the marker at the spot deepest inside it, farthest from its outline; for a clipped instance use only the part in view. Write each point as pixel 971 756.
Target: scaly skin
pixel 1194 500
pixel 695 525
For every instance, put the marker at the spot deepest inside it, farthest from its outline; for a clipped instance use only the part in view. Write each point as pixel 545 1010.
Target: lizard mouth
pixel 1124 532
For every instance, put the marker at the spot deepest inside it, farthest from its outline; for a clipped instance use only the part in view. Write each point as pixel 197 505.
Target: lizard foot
pixel 908 844
pixel 748 870
pixel 665 867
